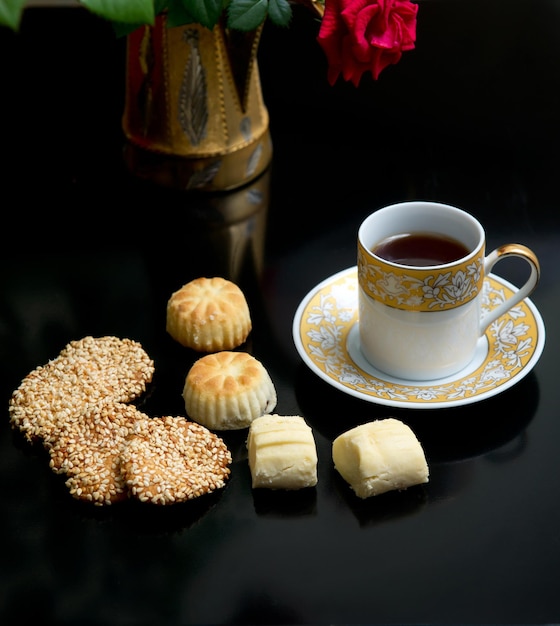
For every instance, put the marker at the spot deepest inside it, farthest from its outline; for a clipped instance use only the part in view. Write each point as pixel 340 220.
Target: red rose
pixel 365 35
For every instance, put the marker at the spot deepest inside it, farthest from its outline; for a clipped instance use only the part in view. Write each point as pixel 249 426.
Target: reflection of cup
pixel 421 269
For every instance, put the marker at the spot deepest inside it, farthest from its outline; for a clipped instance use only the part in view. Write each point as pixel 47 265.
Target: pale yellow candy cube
pixel 380 456
pixel 282 452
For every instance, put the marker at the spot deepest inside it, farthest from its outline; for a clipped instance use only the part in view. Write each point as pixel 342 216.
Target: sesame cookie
pixel 105 425
pixel 109 366
pixel 86 372
pixel 88 450
pixel 47 398
pixel 170 459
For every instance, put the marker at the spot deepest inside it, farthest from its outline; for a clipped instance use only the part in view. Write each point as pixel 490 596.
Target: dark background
pixel 470 118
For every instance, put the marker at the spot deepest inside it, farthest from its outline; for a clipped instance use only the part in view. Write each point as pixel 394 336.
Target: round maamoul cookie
pixel 88 450
pixel 228 390
pixel 84 373
pixel 171 459
pixel 209 315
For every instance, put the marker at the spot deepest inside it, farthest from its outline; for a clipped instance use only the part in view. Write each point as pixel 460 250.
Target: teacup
pixel 421 270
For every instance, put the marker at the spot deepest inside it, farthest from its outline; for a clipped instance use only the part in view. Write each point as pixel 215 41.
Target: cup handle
pixel 521 251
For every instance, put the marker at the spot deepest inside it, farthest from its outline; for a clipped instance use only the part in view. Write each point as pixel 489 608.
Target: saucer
pixel 325 332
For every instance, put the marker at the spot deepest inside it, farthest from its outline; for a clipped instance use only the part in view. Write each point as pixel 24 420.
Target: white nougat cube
pixel 282 453
pixel 380 456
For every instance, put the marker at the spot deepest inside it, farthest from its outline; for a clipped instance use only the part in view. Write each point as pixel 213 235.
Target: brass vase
pixel 194 115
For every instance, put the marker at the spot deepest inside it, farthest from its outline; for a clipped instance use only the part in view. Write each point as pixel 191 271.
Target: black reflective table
pixel 469 118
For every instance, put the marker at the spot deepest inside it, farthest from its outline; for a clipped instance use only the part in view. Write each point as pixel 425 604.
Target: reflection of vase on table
pixel 194 114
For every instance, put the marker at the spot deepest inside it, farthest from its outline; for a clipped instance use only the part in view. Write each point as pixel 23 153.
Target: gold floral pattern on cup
pixel 416 289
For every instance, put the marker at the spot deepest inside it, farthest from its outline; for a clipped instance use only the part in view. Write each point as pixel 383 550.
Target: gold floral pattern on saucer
pixel 325 332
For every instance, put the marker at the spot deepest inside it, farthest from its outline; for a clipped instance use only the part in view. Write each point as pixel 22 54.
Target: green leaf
pixel 127 11
pixel 280 12
pixel 247 14
pixel 205 12
pixel 161 5
pixel 122 29
pixel 178 14
pixel 10 13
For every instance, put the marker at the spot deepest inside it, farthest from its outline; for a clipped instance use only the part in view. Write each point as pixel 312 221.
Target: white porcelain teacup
pixel 421 269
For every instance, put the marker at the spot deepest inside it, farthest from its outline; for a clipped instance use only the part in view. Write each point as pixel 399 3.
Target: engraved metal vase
pixel 194 115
